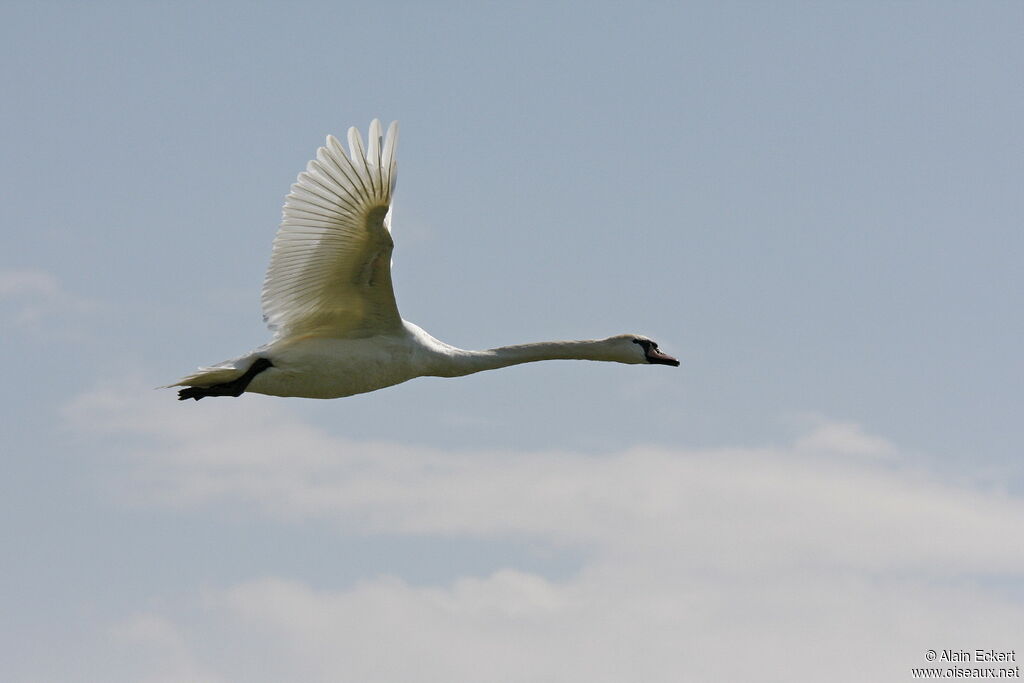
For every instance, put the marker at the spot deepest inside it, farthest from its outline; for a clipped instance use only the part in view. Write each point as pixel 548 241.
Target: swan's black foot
pixel 233 388
pixel 192 392
pixel 225 389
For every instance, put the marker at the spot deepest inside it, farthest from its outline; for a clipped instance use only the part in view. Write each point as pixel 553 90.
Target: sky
pixel 815 206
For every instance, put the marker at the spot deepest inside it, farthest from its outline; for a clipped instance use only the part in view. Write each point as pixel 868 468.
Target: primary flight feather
pixel 328 296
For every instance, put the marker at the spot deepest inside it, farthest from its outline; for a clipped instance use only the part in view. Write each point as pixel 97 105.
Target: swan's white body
pixel 328 296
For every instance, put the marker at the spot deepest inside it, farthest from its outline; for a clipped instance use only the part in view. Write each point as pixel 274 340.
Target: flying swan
pixel 328 297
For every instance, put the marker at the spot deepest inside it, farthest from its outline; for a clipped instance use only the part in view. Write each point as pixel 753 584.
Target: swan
pixel 328 298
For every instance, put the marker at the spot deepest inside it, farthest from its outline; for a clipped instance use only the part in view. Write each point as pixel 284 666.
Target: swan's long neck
pixel 459 362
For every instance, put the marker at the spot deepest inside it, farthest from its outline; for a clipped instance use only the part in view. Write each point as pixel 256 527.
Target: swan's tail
pixel 208 382
pixel 223 380
pixel 207 377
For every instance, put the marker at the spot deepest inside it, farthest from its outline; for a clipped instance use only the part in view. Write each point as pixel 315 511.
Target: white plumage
pixel 328 296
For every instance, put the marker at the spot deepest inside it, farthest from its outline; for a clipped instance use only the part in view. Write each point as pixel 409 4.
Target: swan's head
pixel 635 348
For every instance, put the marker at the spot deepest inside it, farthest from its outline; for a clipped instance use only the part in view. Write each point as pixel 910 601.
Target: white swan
pixel 328 296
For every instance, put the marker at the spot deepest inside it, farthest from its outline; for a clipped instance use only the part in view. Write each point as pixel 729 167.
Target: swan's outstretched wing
pixel 330 271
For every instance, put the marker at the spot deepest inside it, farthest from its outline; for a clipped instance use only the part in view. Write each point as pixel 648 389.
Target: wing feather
pixel 330 269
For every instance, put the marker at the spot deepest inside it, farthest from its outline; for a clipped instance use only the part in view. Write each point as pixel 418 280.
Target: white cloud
pixel 844 438
pixel 35 295
pixel 21 282
pixel 157 650
pixel 608 624
pixel 802 563
pixel 810 498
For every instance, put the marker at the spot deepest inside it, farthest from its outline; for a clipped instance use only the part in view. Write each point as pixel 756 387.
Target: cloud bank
pixel 829 558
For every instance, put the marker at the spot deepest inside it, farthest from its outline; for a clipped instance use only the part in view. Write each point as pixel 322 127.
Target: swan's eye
pixel 646 344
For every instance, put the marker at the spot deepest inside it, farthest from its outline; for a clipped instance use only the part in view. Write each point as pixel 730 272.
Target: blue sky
pixel 815 206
